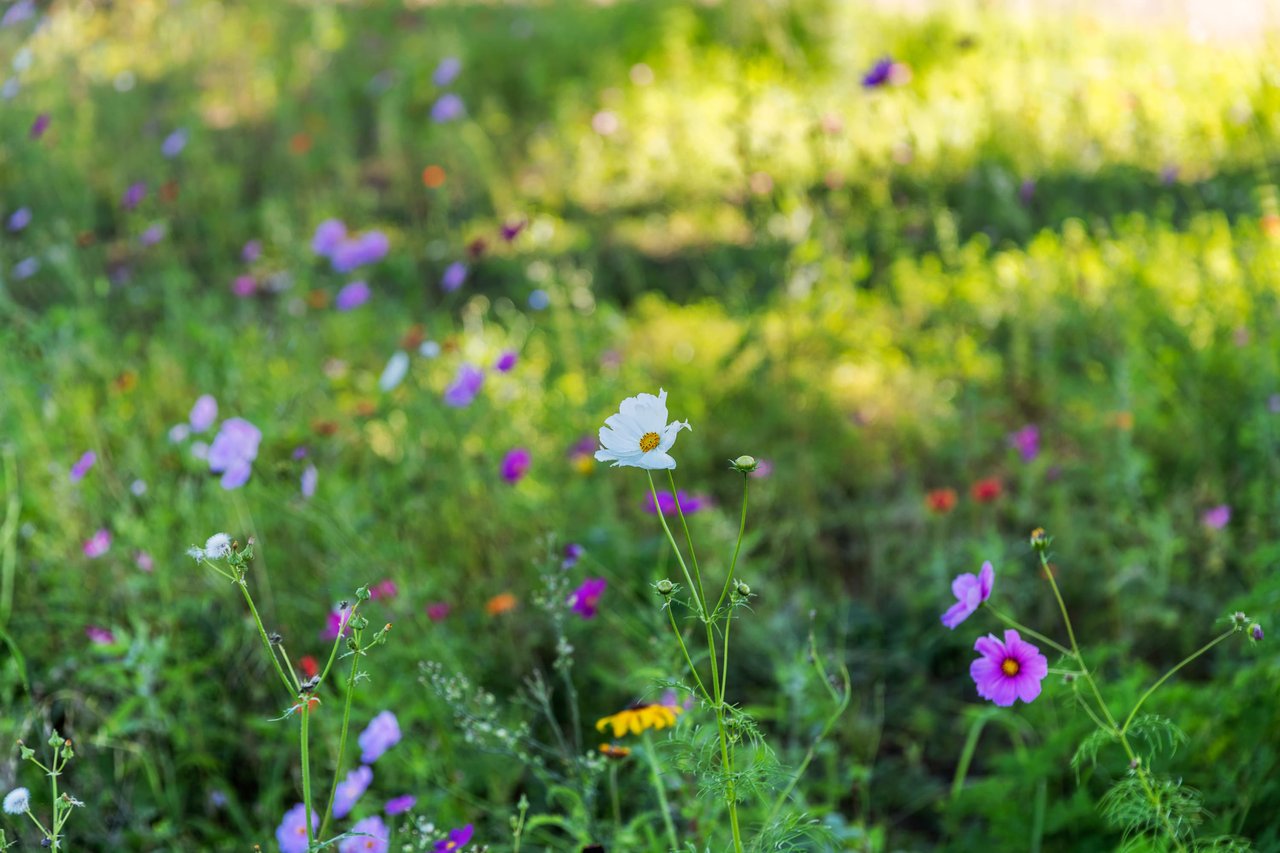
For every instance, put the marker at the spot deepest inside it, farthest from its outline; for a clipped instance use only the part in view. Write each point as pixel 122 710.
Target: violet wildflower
pixel 352 296
pixel 203 413
pixel 291 834
pixel 19 219
pixel 179 433
pixel 438 611
pixel 329 235
pixel 299 453
pixel 763 469
pixel 40 125
pixel 466 385
pixel 1009 670
pixel 515 464
pixel 244 286
pixel 144 561
pixel 572 553
pixel 82 466
pixel 511 230
pixel 1027 191
pixel 382 733
pixel 455 275
pixel 970 592
pixel 447 71
pixel 667 502
pixel 395 371
pixel 1273 404
pixel 154 234
pixel 25 268
pixel 138 488
pixel 368 836
pixel 350 790
pixel 368 248
pixel 174 143
pixel 99 636
pixel 1216 517
pixel 1255 632
pixel 878 74
pixel 639 435
pixel 429 349
pixel 539 300
pixel 455 840
pixel 233 450
pixel 134 195
pixel 386 589
pixel 251 251
pixel 401 804
pixel 506 361
pixel 309 480
pixel 586 597
pixel 97 544
pixel 1026 441
pixel 336 623
pixel 447 108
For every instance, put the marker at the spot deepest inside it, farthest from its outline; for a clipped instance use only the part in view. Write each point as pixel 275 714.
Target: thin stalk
pixel 1028 631
pixel 613 794
pixel 688 660
pixel 8 536
pixel 43 831
pixel 1167 675
pixel 661 792
pixel 288 667
pixel 266 643
pixel 53 782
pixel 693 557
pixel 306 769
pixel 679 557
pixel 342 739
pixel 742 527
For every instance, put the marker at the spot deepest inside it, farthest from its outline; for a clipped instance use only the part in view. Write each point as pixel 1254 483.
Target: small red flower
pixel 309 666
pixel 940 501
pixel 986 490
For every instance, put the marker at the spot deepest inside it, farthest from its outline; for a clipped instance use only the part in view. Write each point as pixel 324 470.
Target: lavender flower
pixel 17 13
pixel 382 733
pixel 134 195
pixel 1026 441
pixel 572 553
pixel 203 413
pixel 506 361
pixel 154 234
pixel 25 268
pixel 233 450
pixel 878 75
pixel 310 478
pixel 174 143
pixel 1216 517
pixel 370 836
pixel 1009 670
pixel 970 592
pixel 251 251
pixel 20 219
pixel 350 790
pixel 466 385
pixel 99 636
pixel 539 300
pixel 447 71
pixel 97 544
pixel 455 275
pixel 329 235
pixel 368 248
pixel 515 464
pixel 447 108
pixel 82 466
pixel 352 296
pixel 456 840
pixel 401 804
pixel 292 832
pixel 586 597
pixel 688 504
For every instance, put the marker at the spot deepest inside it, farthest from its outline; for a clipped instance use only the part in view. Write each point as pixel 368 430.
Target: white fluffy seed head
pixel 218 546
pixel 17 801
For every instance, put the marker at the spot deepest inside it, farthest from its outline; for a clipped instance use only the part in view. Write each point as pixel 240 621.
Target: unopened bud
pixel 362 594
pixel 1039 539
pixel 1255 631
pixel 665 587
pixel 744 464
pixel 742 589
pixel 1239 619
pixel 275 639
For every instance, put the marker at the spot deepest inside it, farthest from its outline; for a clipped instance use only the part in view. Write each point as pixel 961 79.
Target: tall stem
pixel 262 632
pixel 1008 620
pixel 1167 675
pixel 342 738
pixel 693 557
pixel 661 791
pixel 679 557
pixel 742 527
pixel 306 769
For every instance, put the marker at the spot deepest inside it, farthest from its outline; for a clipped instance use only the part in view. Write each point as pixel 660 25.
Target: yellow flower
pixel 639 718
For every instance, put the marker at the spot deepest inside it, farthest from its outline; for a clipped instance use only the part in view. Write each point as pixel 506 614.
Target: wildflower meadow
pixel 638 426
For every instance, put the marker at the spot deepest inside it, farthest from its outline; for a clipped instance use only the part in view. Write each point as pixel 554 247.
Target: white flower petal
pixel 656 460
pixel 669 433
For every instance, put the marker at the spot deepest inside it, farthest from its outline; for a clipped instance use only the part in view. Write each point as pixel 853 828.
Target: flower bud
pixel 275 639
pixel 1039 539
pixel 1239 619
pixel 742 589
pixel 362 594
pixel 744 464
pixel 665 587
pixel 1255 632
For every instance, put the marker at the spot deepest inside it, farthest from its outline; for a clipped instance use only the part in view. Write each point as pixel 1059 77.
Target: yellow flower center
pixel 649 441
pixel 1009 667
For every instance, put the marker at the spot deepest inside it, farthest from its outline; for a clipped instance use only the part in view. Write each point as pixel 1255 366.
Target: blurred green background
pixel 1042 220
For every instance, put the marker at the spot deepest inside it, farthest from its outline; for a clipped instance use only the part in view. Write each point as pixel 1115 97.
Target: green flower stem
pixel 288 667
pixel 693 557
pixel 742 527
pixel 724 678
pixel 337 642
pixel 53 782
pixel 262 632
pixel 661 792
pixel 679 557
pixel 613 797
pixel 688 660
pixel 1169 674
pixel 342 738
pixel 306 769
pixel 1025 630
pixel 40 825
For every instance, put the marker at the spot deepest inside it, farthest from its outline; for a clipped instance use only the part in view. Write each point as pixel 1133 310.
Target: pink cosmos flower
pixel 438 611
pixel 144 561
pixel 97 544
pixel 99 636
pixel 1009 670
pixel 244 286
pixel 1217 517
pixel 689 504
pixel 350 790
pixel 337 623
pixel 385 589
pixel 970 592
pixel 455 840
pixel 1026 441
pixel 82 466
pixel 585 599
pixel 515 464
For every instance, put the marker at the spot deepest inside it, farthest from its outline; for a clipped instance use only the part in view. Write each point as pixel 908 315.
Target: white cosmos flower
pixel 639 435
pixel 17 801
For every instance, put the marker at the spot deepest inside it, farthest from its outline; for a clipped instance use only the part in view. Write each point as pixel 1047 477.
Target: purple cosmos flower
pixel 20 219
pixel 970 592
pixel 447 71
pixel 233 450
pixel 763 469
pixel 97 544
pixel 154 234
pixel 382 733
pixel 1256 633
pixel 299 452
pixel 144 561
pixel 25 268
pixel 99 636
pixel 251 251
pixel 18 12
pixel 350 790
pixel 203 413
pixel 370 837
pixel 515 464
pixel 667 502
pixel 310 478
pixel 1026 441
pixel 368 248
pixel 586 597
pixel 82 466
pixel 506 361
pixel 572 553
pixel 1217 517
pixel 447 108
pixel 352 296
pixel 329 235
pixel 511 230
pixel 1008 670
pixel 244 286
pixel 134 195
pixel 456 840
pixel 466 385
pixel 455 275
pixel 878 75
pixel 383 589
pixel 292 831
pixel 337 623
pixel 401 804
pixel 174 143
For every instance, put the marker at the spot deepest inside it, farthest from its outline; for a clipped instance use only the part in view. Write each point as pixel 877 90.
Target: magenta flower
pixel 350 790
pixel 368 248
pixel 40 125
pixel 515 464
pixel 233 450
pixel 329 235
pixel 763 469
pixel 572 553
pixel 82 466
pixel 291 834
pixel 456 840
pixel 99 636
pixel 466 385
pixel 1217 517
pixel 438 611
pixel 970 592
pixel 174 143
pixel 667 502
pixel 506 361
pixel 1008 670
pixel 134 195
pixel 20 219
pixel 203 413
pixel 511 230
pixel 370 837
pixel 336 623
pixel 352 296
pixel 144 561
pixel 384 589
pixel 455 275
pixel 1026 441
pixel 97 544
pixel 586 597
pixel 310 478
pixel 448 107
pixel 382 733
pixel 401 804
pixel 447 71
pixel 244 285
